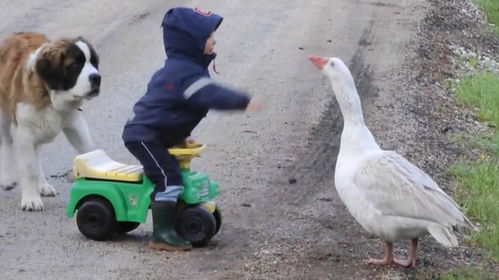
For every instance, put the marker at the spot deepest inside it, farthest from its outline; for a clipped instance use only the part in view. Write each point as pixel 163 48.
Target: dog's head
pixel 69 68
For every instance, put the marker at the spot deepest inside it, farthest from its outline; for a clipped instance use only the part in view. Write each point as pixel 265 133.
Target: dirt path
pixel 282 217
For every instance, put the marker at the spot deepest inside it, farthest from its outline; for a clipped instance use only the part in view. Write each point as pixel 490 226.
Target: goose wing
pixel 397 187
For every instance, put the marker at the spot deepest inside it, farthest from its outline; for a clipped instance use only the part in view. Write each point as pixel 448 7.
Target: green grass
pixel 477 180
pixel 468 274
pixel 481 90
pixel 488 142
pixel 478 191
pixel 491 9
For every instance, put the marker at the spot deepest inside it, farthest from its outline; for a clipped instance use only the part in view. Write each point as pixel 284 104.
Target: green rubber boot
pixel 164 235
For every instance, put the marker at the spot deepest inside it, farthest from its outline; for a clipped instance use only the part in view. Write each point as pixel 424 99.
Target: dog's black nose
pixel 94 80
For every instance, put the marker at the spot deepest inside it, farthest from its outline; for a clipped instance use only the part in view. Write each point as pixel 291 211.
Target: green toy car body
pixel 105 205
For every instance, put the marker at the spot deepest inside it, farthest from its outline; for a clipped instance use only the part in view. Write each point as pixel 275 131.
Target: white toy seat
pixel 98 165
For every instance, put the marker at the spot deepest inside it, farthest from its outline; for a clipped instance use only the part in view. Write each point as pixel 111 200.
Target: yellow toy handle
pixel 185 153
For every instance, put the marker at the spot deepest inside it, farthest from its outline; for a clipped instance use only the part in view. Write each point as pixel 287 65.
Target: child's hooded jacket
pixel 180 94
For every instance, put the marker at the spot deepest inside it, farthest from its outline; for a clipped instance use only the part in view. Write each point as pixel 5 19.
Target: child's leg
pixel 164 171
pixel 160 167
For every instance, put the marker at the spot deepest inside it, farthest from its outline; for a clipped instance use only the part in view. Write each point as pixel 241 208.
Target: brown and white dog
pixel 42 86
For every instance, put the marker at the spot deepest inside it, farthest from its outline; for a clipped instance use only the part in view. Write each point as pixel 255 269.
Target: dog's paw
pixel 70 177
pixel 31 203
pixel 8 187
pixel 47 190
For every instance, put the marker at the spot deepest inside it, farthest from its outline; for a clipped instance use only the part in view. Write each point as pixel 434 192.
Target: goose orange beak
pixel 318 61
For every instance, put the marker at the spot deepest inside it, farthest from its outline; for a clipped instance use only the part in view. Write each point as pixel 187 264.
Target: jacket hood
pixel 185 32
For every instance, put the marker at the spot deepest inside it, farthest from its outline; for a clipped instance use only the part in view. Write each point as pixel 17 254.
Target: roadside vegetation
pixel 470 274
pixel 491 10
pixel 476 180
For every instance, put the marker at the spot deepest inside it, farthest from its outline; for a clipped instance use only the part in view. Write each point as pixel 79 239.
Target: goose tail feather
pixel 443 235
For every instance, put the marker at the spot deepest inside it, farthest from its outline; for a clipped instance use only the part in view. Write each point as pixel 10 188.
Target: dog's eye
pixel 74 66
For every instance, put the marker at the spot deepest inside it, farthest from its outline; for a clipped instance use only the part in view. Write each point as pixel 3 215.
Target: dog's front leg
pixel 44 187
pixel 78 134
pixel 28 171
pixel 8 168
pixel 8 171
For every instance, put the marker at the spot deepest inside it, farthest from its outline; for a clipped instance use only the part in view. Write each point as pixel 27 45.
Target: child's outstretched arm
pixel 255 104
pixel 206 93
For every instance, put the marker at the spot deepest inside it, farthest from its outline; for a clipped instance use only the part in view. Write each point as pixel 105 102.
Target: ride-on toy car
pixel 111 197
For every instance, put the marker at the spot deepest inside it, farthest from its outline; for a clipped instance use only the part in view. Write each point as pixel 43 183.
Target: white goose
pixel 387 195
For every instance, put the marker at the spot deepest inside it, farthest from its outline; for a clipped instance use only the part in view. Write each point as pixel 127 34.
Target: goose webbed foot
pixel 411 260
pixel 389 259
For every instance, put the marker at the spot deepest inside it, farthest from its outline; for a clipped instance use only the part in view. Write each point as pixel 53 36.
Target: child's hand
pixel 190 141
pixel 255 104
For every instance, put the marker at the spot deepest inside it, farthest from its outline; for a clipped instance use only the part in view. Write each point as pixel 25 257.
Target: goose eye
pixel 331 63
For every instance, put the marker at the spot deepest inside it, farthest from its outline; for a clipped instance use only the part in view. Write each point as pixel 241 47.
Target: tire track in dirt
pixel 317 159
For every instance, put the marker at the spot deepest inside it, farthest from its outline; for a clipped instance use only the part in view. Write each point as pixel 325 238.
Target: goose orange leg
pixel 389 259
pixel 411 260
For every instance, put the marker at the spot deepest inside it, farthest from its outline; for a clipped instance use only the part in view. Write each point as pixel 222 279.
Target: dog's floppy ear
pixel 50 67
pixel 94 58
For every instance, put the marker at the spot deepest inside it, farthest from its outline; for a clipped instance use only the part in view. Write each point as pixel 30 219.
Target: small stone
pixel 292 181
pixel 446 129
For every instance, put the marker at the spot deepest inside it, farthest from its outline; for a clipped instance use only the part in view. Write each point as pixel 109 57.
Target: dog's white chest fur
pixel 43 124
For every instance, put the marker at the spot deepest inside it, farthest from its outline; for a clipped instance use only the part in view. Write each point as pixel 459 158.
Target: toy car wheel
pixel 197 225
pixel 96 219
pixel 124 227
pixel 218 218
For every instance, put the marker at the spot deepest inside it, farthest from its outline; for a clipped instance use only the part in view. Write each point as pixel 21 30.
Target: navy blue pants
pixel 160 167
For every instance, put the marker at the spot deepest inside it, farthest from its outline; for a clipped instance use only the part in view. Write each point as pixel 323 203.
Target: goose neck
pixel 350 105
